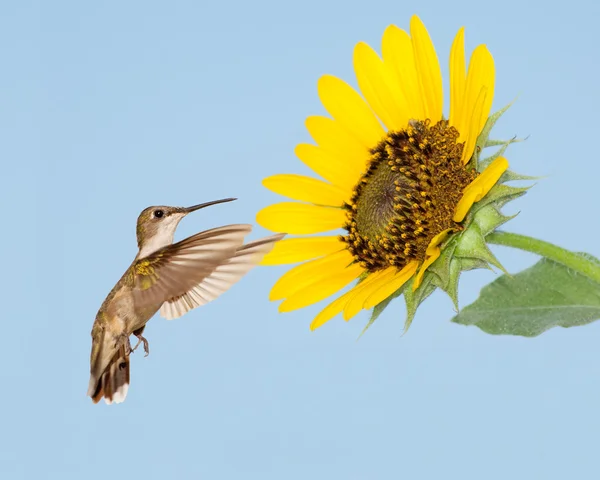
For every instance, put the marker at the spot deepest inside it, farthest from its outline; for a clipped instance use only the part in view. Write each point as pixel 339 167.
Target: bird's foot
pixel 141 339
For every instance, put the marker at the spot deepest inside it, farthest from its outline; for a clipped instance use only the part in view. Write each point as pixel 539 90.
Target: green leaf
pixel 545 295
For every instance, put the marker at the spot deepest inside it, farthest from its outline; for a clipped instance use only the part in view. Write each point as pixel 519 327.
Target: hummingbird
pixel 171 277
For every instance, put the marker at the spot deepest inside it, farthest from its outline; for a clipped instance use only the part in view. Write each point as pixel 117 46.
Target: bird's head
pixel 156 225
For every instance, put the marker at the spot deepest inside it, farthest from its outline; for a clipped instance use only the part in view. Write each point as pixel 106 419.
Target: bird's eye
pixel 158 213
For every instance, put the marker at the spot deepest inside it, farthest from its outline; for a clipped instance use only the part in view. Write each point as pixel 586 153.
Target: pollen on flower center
pixel 407 196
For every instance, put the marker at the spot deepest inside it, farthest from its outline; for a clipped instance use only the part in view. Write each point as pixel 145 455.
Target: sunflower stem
pixel 569 259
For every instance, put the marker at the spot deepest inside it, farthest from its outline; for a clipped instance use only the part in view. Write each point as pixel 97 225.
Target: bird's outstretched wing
pixel 175 269
pixel 221 278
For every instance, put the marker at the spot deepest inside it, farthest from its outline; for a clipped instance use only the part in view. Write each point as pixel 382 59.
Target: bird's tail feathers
pixel 113 382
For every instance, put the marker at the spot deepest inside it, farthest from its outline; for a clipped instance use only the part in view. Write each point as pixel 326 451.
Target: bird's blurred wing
pixel 221 278
pixel 175 269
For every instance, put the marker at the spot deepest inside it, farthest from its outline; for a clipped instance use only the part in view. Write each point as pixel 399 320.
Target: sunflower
pixel 398 177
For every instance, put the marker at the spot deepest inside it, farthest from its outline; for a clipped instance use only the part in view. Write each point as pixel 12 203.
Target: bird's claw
pixel 143 340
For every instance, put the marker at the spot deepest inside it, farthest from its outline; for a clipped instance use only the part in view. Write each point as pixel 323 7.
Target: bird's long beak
pixel 207 204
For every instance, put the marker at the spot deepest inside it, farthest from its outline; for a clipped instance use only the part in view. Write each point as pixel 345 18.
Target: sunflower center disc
pixel 407 196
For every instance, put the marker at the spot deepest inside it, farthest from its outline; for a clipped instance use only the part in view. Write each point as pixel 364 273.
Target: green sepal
pixel 441 267
pixel 472 244
pixel 498 143
pixel 450 286
pixel 489 218
pixel 510 176
pixel 484 136
pixel 483 164
pixel 414 298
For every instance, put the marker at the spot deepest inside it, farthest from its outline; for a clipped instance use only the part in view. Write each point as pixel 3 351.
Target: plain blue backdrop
pixel 108 107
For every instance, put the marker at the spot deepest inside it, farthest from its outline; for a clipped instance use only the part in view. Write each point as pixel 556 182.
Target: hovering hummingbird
pixel 171 277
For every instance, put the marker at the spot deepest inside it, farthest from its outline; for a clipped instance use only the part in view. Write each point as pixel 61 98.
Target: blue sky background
pixel 108 107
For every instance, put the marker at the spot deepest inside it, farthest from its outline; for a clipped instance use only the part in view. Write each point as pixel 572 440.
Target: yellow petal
pixel 490 84
pixel 350 110
pixel 300 218
pixel 331 310
pixel 435 241
pixel 472 127
pixel 330 166
pixel 479 187
pixel 365 288
pixel 307 189
pixel 434 253
pixel 399 61
pixel 458 78
pixel 481 74
pixel 294 250
pixel 488 178
pixel 372 80
pixel 428 68
pixel 321 288
pixel 333 138
pixel 399 279
pixel 309 272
